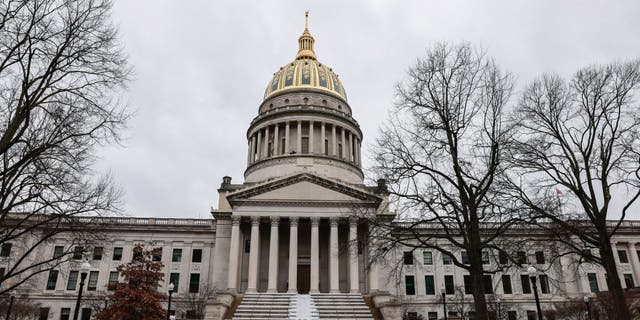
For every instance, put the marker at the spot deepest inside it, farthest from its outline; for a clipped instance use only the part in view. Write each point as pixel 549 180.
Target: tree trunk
pixel 619 304
pixel 477 281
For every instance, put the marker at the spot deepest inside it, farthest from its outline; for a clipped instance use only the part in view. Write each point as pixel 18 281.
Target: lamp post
pixel 84 269
pixel 12 297
pixel 586 302
pixel 444 302
pixel 499 301
pixel 532 275
pixel 169 308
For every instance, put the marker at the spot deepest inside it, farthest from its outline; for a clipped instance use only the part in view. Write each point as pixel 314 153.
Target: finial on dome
pixel 305 42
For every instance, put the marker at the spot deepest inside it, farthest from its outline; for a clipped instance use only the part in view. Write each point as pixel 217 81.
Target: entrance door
pixel 304 279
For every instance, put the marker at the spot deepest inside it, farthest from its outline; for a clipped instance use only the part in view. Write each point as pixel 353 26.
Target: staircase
pixel 262 306
pixel 341 306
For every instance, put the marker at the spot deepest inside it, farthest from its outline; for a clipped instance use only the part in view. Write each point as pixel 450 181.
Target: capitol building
pixel 285 242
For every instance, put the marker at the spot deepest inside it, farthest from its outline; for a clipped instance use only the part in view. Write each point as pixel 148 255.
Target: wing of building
pixel 285 243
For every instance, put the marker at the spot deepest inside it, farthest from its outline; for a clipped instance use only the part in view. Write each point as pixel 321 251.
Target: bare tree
pixel 442 155
pixel 580 138
pixel 61 69
pixel 22 308
pixel 194 304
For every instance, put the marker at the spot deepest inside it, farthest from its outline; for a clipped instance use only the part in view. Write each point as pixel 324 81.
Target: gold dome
pixel 305 71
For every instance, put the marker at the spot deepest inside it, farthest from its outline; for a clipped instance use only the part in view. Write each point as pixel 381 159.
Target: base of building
pixel 387 304
pixel 218 306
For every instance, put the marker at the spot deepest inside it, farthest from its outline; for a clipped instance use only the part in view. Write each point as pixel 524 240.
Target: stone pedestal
pixel 218 305
pixel 387 304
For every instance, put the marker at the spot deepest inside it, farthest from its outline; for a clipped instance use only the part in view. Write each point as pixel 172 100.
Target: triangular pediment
pixel 303 188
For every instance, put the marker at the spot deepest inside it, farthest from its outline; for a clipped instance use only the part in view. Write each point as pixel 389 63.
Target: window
pixel 465 257
pixel 503 258
pixel 44 314
pixel 58 252
pixel 2 271
pixel 427 256
pixel 197 255
pixel 540 257
pixel 93 281
pixel 628 280
pixel 117 254
pixel 485 257
pixel 531 315
pixel 593 282
pixel 429 284
pixel 6 250
pixel 113 280
pixel 488 284
pixel 326 147
pixel 65 313
pixel 432 316
pixel 410 285
pixel 177 255
pixel 77 252
pixel 72 282
pixel 52 280
pixel 175 279
pixel 544 283
pixel 446 259
pixel 448 285
pixel 97 253
pixel 512 315
pixel 157 254
pixel 86 314
pixel 622 255
pixel 192 314
pixel 506 284
pixel 412 315
pixel 467 285
pixel 526 285
pixel 407 258
pixel 194 283
pixel 305 145
pixel 522 257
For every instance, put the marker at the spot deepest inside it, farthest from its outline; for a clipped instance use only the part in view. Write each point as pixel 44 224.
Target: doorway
pixel 304 279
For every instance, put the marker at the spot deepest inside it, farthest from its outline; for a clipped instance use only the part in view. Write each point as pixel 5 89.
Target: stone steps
pixel 341 306
pixel 263 306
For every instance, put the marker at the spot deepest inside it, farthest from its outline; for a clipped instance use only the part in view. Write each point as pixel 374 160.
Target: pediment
pixel 304 189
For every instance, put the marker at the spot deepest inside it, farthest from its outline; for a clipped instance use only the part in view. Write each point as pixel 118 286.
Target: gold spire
pixel 305 42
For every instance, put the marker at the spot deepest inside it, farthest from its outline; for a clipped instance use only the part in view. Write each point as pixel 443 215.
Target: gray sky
pixel 202 67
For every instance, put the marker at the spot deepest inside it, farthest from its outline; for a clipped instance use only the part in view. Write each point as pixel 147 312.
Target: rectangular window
pixel 622 255
pixel 465 257
pixel 77 252
pixel 58 252
pixel 593 282
pixel 113 280
pixel 117 254
pixel 44 314
pixel 412 315
pixel 157 254
pixel 522 257
pixel 410 285
pixel 86 314
pixel 506 284
pixel 194 283
pixel 467 285
pixel 432 315
pixel 97 253
pixel 531 315
pixel 628 280
pixel 407 258
pixel 197 255
pixel 93 281
pixel 6 250
pixel 526 285
pixel 544 283
pixel 448 285
pixel 65 313
pixel 485 257
pixel 446 259
pixel 512 315
pixel 175 279
pixel 503 258
pixel 540 257
pixel 72 282
pixel 488 284
pixel 177 255
pixel 2 271
pixel 427 256
pixel 305 145
pixel 326 147
pixel 52 280
pixel 430 284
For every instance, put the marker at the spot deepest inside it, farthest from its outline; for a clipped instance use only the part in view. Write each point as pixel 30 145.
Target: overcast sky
pixel 201 68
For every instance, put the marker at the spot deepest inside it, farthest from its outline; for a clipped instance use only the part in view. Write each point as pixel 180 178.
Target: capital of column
pixel 315 222
pixel 293 221
pixel 333 221
pixel 235 220
pixel 353 220
pixel 255 221
pixel 275 220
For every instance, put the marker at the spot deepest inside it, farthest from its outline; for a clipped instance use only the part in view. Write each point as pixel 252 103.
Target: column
pixel 334 266
pixel 276 150
pixel 333 136
pixel 315 255
pixel 311 150
pixel 265 152
pixel 299 138
pixel 254 255
pixel 350 148
pixel 344 144
pixel 322 138
pixel 234 253
pixel 259 146
pixel 249 152
pixel 293 255
pixel 374 284
pixel 286 139
pixel 272 282
pixel 353 255
pixel 356 151
pixel 635 263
